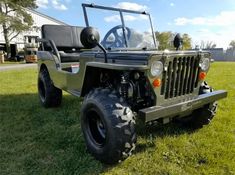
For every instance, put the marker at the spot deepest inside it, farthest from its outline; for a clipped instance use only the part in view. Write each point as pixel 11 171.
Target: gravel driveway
pixel 17 66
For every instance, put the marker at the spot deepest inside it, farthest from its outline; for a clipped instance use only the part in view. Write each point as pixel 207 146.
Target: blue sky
pixel 209 20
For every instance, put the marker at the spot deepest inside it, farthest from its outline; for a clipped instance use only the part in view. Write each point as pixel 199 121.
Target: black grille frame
pixel 180 76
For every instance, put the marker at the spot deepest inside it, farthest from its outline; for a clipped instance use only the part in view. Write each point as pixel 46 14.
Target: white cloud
pixel 56 4
pixel 203 30
pixel 42 3
pixel 224 18
pixel 172 4
pixel 116 18
pixel 194 21
pixel 218 28
pixel 130 18
pixel 222 37
pixel 59 6
pixel 131 6
pixel 128 6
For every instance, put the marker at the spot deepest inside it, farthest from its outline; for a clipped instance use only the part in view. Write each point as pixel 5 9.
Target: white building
pixel 39 20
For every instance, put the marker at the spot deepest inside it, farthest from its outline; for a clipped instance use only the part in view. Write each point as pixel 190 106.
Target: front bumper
pixel 158 112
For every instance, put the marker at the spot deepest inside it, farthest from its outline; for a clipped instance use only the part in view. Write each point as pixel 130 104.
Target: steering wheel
pixel 118 40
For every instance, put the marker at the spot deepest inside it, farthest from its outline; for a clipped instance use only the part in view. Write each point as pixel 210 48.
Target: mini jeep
pixel 122 78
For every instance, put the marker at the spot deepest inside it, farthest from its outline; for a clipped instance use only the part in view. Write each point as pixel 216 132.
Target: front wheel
pixel 204 115
pixel 108 126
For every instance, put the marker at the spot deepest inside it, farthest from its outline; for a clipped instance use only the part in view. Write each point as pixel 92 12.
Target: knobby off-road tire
pixel 204 115
pixel 108 126
pixel 49 95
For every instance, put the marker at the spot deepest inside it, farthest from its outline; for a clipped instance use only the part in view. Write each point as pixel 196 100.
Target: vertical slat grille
pixel 180 77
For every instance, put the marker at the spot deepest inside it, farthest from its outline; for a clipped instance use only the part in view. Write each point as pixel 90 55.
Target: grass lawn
pixel 34 140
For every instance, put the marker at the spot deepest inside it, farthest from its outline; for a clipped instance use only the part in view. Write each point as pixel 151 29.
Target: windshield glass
pixel 137 33
pixel 140 31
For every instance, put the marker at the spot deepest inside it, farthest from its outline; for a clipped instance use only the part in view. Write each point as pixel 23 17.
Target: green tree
pixel 14 19
pixel 207 45
pixel 187 42
pixel 232 44
pixel 165 40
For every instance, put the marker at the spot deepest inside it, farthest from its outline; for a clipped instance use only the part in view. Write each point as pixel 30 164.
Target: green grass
pixel 34 140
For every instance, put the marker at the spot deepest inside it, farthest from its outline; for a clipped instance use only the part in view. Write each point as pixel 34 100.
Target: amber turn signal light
pixel 202 75
pixel 157 82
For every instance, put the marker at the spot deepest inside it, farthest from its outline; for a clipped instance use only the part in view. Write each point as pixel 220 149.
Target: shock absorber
pixel 124 85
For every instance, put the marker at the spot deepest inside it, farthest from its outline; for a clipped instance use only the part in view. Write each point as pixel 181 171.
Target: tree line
pixel 165 40
pixel 232 45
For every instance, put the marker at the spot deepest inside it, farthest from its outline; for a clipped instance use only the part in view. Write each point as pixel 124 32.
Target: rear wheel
pixel 49 95
pixel 108 126
pixel 204 115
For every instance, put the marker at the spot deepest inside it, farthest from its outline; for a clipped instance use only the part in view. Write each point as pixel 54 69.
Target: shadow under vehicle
pixel 122 78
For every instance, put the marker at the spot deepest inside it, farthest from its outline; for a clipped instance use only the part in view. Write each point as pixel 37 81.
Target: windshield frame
pixel 121 11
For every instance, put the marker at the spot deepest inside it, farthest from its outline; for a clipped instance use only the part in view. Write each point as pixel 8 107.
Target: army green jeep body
pixel 122 78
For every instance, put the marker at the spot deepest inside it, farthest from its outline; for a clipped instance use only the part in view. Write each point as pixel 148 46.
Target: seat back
pixel 66 38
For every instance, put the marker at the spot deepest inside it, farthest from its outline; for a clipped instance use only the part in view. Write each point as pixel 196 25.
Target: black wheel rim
pixel 96 128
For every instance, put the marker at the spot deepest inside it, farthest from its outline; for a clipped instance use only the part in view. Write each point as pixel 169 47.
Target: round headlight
pixel 205 63
pixel 156 68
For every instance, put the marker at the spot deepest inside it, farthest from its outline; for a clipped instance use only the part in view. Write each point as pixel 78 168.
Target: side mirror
pixel 90 37
pixel 178 41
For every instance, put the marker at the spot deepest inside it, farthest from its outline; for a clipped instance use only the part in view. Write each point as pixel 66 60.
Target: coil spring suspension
pixel 124 85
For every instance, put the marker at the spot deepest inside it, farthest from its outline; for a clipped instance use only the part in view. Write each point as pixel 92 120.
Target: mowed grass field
pixel 34 140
